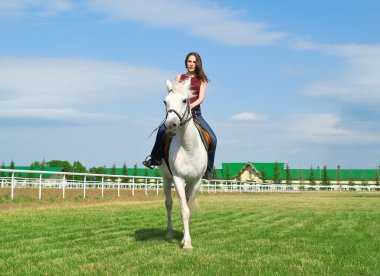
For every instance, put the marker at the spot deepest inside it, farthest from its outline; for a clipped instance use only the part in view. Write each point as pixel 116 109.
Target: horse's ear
pixel 187 82
pixel 169 86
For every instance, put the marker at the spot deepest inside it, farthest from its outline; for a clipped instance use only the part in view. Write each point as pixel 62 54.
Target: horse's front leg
pixel 185 211
pixel 168 204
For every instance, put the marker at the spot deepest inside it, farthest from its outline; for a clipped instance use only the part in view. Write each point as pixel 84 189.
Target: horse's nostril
pixel 174 125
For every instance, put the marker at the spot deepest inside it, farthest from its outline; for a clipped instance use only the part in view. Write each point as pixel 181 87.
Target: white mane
pixel 183 89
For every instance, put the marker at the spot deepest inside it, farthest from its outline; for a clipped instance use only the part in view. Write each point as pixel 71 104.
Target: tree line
pixel 76 167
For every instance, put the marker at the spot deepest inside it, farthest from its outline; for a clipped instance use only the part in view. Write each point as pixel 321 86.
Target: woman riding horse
pixel 198 83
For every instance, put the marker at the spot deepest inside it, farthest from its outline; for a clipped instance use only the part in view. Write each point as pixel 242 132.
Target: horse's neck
pixel 188 136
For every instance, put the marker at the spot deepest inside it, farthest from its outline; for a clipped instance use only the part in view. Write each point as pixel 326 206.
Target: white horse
pixel 187 156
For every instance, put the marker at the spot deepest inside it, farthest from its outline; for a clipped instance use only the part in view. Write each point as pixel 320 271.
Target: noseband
pixel 182 120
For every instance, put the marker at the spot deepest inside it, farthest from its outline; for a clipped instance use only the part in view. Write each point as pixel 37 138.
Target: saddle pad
pixel 206 137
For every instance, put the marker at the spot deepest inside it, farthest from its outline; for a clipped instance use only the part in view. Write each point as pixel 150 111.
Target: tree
pixel 135 170
pixel 214 174
pixel 325 177
pixel 124 172
pixel 228 173
pixel 311 176
pixel 43 165
pixel 78 168
pixel 12 166
pixel 96 170
pixel 125 169
pixel 36 165
pixel 113 170
pixel 30 175
pixel 264 175
pixel 363 179
pixel 288 176
pixel 64 164
pixel 338 175
pixel 351 180
pixel 2 174
pixel 276 173
pixel 158 173
pixel 301 177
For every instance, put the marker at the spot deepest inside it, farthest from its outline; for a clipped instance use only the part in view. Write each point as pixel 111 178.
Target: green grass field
pixel 237 234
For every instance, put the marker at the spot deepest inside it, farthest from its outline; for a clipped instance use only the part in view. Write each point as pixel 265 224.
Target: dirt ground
pixel 28 197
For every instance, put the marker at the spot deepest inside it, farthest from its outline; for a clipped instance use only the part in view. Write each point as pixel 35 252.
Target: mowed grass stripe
pixel 284 234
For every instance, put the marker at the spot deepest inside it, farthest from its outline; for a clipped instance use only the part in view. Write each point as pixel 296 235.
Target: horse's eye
pixel 184 101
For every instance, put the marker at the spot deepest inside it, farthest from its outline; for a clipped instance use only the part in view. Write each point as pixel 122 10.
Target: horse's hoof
pixel 169 233
pixel 188 247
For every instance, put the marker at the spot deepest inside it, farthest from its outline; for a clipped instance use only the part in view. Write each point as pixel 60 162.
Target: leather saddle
pixel 205 136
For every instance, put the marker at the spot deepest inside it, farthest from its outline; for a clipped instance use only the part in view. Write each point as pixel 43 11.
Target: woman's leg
pixel 156 154
pixel 212 149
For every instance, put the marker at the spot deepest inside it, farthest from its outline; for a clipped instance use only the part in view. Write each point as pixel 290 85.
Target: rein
pixel 182 119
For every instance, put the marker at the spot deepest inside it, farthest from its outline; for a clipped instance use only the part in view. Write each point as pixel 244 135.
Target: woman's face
pixel 190 64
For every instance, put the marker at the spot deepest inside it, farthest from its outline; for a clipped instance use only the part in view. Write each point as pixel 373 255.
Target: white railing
pixel 66 180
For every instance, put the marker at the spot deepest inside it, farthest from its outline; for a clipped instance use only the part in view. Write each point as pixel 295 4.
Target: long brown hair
pixel 199 73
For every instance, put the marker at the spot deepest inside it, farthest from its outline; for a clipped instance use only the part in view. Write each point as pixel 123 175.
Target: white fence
pixel 66 180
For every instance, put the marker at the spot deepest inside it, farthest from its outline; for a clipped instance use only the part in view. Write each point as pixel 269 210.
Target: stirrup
pixel 150 163
pixel 207 175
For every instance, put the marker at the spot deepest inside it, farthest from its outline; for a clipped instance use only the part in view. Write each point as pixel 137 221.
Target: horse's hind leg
pixel 168 204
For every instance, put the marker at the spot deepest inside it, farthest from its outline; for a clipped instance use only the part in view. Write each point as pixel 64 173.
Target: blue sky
pixel 291 81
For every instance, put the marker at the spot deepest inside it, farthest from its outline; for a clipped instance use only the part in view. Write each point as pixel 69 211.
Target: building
pixel 279 173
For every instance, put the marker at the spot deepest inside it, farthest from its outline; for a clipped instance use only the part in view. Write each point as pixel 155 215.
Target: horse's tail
pixel 192 203
pixel 191 194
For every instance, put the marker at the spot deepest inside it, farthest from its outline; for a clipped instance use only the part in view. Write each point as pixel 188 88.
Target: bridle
pixel 182 120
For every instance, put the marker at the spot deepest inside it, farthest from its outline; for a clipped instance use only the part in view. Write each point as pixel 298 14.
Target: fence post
pixel 103 186
pixel 146 186
pixel 118 187
pixel 40 188
pixel 133 186
pixel 84 187
pixel 157 185
pixel 12 185
pixel 63 185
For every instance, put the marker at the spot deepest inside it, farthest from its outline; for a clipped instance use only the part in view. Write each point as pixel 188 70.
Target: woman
pixel 198 83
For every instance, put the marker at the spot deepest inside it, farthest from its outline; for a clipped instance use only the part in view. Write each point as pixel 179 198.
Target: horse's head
pixel 177 105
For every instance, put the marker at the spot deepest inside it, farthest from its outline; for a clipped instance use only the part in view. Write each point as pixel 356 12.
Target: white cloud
pixel 321 128
pixel 59 88
pixel 57 81
pixel 199 18
pixel 248 116
pixel 24 9
pixel 65 114
pixel 359 83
